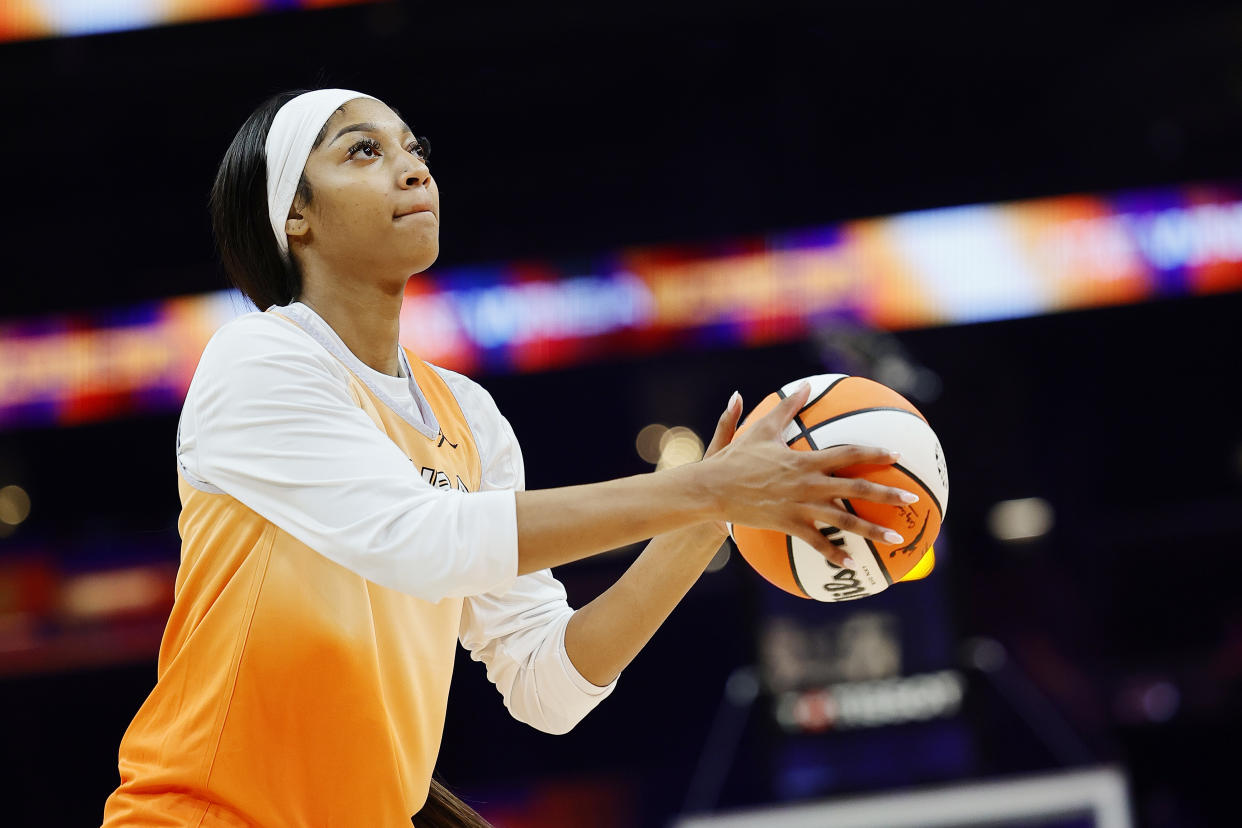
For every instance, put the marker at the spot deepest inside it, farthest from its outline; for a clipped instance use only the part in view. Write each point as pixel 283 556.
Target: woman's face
pixel 375 207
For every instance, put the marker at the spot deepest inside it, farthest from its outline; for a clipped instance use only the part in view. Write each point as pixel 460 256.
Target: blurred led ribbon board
pixel 947 266
pixel 32 19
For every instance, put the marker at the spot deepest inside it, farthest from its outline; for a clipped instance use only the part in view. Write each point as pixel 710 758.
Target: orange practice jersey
pixel 292 691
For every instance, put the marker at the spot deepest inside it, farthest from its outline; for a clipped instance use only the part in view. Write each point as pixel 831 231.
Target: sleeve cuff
pixel 495 513
pixel 576 679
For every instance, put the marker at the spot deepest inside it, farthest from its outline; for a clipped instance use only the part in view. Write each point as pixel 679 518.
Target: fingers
pixel 726 425
pixel 825 547
pixel 850 522
pixel 774 422
pixel 838 457
pixel 831 489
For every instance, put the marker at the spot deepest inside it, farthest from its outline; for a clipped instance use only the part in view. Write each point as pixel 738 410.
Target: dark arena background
pixel 1027 218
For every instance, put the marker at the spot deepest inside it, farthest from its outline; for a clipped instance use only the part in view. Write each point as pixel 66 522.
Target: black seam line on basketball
pixel 802 432
pixel 831 386
pixel 801 426
pixel 746 418
pixel 793 567
pixel 870 545
pixel 864 411
pixel 935 500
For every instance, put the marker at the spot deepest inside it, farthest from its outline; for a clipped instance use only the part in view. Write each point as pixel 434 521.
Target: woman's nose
pixel 416 174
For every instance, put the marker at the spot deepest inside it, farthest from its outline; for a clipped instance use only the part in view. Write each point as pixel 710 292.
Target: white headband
pixel 289 145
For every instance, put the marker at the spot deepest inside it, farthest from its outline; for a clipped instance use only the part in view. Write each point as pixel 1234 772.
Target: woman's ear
pixel 296 224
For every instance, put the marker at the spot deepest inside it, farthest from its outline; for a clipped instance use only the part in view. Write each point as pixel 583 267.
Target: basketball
pixel 849 410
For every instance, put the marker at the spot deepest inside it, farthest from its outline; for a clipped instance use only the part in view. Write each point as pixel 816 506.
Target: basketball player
pixel 350 513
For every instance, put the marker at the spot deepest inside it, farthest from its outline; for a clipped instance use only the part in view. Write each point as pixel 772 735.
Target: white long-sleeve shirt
pixel 268 420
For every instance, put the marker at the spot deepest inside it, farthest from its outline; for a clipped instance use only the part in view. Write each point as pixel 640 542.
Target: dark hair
pixel 444 810
pixel 239 216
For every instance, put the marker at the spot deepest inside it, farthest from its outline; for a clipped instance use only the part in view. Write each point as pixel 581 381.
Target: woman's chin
pixel 423 258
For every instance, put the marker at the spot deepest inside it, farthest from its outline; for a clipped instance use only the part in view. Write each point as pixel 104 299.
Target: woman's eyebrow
pixel 366 126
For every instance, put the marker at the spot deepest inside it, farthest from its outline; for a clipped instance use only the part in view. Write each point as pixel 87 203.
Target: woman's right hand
pixel 757 480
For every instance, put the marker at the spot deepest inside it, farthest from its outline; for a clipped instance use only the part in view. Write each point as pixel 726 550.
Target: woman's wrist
pixel 715 532
pixel 710 533
pixel 698 482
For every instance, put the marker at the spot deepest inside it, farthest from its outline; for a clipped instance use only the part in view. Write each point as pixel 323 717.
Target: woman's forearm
pixel 605 635
pixel 755 480
pixel 557 526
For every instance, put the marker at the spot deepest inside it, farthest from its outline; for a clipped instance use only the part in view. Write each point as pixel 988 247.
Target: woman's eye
pixel 365 145
pixel 371 148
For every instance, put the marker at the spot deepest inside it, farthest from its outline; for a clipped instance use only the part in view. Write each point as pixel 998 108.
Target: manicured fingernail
pixel 908 497
pixel 849 563
pixel 892 537
pixel 896 455
pixel 801 385
pixel 736 399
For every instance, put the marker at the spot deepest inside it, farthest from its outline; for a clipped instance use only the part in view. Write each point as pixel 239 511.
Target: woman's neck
pixel 366 319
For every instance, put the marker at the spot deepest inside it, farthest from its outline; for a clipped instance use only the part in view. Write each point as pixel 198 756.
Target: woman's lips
pixel 418 212
pixel 424 208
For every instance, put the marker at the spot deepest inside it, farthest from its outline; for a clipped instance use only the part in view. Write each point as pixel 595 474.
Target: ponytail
pixel 445 810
